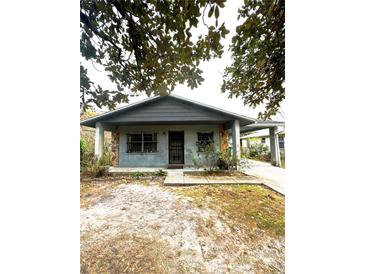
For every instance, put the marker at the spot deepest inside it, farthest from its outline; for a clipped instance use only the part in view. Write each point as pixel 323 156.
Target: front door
pixel 176 147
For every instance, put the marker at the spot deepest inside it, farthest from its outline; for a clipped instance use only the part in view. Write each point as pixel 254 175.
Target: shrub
pixel 137 174
pixel 265 157
pixel 96 170
pixel 96 167
pixel 86 154
pixel 259 151
pixel 106 159
pixel 245 152
pixel 83 146
pixel 207 158
pixel 161 173
pixel 215 160
pixel 222 164
pixel 230 162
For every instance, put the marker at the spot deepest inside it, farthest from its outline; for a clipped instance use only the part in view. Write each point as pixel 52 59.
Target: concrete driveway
pixel 273 176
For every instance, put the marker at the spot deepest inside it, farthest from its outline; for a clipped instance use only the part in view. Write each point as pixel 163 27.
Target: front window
pixel 263 141
pixel 204 140
pixel 142 143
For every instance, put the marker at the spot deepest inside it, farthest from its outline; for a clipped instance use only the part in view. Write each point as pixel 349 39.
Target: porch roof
pixel 172 109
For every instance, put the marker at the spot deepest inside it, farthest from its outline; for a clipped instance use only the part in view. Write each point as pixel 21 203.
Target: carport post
pixel 236 149
pixel 99 140
pixel 274 147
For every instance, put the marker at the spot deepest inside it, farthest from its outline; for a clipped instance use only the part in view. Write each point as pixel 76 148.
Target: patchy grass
pixel 128 254
pixel 93 190
pixel 254 206
pixel 253 215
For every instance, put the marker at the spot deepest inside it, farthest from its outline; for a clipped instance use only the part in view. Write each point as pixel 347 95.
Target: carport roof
pixel 261 124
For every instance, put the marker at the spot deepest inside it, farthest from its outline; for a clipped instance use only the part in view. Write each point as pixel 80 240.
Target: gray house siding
pixel 169 110
pixel 161 157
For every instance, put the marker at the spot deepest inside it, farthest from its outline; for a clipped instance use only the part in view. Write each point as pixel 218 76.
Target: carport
pixel 274 140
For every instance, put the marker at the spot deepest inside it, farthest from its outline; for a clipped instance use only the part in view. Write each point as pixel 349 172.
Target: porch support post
pixel 99 140
pixel 115 147
pixel 274 147
pixel 236 149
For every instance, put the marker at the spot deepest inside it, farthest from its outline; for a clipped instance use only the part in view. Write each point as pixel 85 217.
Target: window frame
pixel 154 143
pixel 202 144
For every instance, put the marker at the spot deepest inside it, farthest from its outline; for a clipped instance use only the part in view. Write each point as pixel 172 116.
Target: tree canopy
pixel 149 47
pixel 257 74
pixel 145 47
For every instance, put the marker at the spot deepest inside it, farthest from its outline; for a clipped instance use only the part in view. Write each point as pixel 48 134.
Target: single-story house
pixel 263 137
pixel 170 130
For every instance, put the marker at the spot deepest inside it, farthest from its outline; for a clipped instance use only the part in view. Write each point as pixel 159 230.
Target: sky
pixel 209 92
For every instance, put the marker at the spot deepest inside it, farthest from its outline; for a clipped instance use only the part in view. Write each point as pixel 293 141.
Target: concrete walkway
pixel 174 177
pixel 178 178
pixel 134 169
pixel 261 173
pixel 272 176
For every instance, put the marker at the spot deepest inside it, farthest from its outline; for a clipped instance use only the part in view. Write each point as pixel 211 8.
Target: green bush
pixel 106 159
pixel 96 167
pixel 214 160
pixel 86 156
pixel 83 146
pixel 137 174
pixel 96 170
pixel 207 158
pixel 227 161
pixel 161 173
pixel 259 151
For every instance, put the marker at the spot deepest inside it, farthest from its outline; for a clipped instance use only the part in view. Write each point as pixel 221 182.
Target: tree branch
pixel 86 21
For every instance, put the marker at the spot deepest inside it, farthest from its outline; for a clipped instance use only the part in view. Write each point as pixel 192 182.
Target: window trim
pixel 154 134
pixel 209 142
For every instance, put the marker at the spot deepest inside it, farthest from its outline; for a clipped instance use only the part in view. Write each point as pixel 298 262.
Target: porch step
pixel 175 166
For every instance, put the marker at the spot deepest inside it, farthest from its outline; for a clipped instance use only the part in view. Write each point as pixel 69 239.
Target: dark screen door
pixel 176 147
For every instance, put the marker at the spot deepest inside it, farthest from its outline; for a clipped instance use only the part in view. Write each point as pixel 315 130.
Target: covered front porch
pixel 144 146
pixel 170 130
pixel 167 153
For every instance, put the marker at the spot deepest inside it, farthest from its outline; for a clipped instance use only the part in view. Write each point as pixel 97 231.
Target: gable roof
pixel 167 109
pixel 173 109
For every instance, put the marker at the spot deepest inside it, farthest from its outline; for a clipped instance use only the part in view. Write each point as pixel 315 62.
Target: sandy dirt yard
pixel 147 228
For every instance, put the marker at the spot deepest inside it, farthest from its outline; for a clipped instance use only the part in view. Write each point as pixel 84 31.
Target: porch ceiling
pixel 111 126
